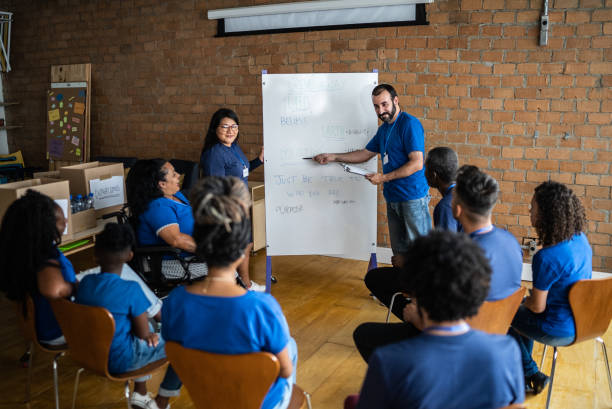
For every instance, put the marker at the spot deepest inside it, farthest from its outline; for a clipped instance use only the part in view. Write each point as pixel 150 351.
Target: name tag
pixel 245 172
pixel 385 159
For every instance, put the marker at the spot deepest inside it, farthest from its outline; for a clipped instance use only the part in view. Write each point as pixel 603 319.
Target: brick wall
pixel 475 76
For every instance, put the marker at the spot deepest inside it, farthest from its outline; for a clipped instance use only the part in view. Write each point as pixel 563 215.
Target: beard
pixel 388 116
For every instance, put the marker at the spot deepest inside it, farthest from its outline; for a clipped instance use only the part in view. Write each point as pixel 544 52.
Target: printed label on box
pixel 107 192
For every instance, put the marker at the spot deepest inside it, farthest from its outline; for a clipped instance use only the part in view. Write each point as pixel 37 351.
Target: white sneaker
pixel 257 287
pixel 141 401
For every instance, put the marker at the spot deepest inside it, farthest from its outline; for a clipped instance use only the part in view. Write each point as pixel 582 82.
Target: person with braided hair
pixel 565 257
pixel 32 265
pixel 217 315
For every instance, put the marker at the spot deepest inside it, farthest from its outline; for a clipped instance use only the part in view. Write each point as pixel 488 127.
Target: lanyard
pixel 482 230
pixel 449 189
pixel 389 134
pixel 238 156
pixel 453 329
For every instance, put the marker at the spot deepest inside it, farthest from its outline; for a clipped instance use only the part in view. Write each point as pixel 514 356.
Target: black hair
pixel 142 184
pixel 560 213
pixel 384 87
pixel 444 162
pixel 448 274
pixel 476 191
pixel 222 228
pixel 211 138
pixel 28 239
pixel 115 238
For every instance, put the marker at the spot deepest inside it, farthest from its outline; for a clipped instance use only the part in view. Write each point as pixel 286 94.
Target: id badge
pixel 245 172
pixel 385 159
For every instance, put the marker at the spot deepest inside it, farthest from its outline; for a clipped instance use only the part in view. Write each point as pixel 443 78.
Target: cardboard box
pixel 258 214
pixel 105 180
pixel 51 174
pixel 57 190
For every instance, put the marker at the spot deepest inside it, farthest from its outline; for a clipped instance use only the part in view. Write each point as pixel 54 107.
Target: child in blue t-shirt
pixel 134 343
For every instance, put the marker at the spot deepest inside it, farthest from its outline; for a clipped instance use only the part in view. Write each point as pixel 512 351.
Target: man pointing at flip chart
pixel 401 143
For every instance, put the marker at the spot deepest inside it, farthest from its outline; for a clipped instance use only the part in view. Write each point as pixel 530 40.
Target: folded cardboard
pixel 105 180
pixel 50 174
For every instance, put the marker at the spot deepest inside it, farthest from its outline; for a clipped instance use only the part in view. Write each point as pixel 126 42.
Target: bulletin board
pixel 66 105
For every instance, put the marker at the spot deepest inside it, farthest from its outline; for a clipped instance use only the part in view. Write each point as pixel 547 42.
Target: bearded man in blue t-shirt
pixel 400 141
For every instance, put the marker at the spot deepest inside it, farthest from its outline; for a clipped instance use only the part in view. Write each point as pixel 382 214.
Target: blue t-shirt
pixel 124 300
pixel 403 136
pixel 472 370
pixel 47 327
pixel 443 213
pixel 555 269
pixel 506 258
pixel 161 213
pixel 221 160
pixel 252 322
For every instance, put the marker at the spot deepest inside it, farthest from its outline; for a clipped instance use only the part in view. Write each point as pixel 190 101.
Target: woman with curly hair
pixel 161 213
pixel 32 265
pixel 217 315
pixel 566 257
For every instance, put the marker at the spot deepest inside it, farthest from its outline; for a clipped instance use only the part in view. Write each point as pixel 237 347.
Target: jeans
pixel 526 328
pixel 407 220
pixel 284 402
pixel 144 355
pixel 383 282
pixel 371 335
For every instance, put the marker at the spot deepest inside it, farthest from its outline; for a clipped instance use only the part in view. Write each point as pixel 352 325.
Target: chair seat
pixel 145 370
pixel 53 348
pixel 297 398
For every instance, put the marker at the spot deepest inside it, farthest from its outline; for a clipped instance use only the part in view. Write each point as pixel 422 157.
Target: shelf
pixel 8 104
pixel 10 127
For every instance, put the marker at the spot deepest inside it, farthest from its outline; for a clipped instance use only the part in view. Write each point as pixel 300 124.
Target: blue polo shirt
pixel 251 322
pixel 47 327
pixel 124 300
pixel 221 160
pixel 443 213
pixel 161 213
pixel 555 269
pixel 506 259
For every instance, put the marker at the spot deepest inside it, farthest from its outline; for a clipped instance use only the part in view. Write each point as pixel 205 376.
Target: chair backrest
pixel 591 304
pixel 88 331
pixel 190 171
pixel 515 406
pixel 495 317
pixel 224 381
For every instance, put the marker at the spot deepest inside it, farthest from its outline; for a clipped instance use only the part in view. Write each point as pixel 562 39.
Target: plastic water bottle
pixel 79 203
pixel 72 205
pixel 90 201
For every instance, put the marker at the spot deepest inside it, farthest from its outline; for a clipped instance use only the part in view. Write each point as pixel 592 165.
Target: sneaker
pixel 139 401
pixel 257 287
pixel 538 382
pixel 153 405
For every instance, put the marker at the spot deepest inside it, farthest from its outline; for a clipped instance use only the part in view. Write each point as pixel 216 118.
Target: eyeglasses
pixel 228 127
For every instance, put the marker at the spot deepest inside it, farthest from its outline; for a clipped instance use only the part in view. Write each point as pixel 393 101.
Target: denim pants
pixel 144 355
pixel 284 402
pixel 526 328
pixel 407 220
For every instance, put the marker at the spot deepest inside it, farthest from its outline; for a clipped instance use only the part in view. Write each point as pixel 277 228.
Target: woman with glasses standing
pixel 221 156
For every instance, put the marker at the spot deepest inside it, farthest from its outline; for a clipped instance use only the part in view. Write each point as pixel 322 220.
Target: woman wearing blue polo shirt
pixel 566 257
pixel 221 156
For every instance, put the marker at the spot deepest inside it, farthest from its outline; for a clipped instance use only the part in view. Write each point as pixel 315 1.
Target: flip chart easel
pixel 310 208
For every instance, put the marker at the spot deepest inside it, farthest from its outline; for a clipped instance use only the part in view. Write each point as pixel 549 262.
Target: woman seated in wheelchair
pixel 545 315
pixel 216 315
pixel 32 265
pixel 161 215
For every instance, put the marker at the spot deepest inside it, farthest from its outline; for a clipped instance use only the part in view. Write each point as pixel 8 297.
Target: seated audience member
pixel 474 197
pixel 216 315
pixel 32 265
pixel 448 365
pixel 566 257
pixel 440 171
pixel 162 214
pixel 134 343
pixel 222 156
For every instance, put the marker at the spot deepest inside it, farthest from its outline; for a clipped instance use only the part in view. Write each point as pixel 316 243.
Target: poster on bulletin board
pixel 66 121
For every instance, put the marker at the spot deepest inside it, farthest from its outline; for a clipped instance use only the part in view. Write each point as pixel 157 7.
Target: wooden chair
pixel 515 406
pixel 495 317
pixel 229 381
pixel 591 304
pixel 89 332
pixel 28 326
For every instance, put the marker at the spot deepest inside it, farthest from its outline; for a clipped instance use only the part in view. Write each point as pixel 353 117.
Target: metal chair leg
pixel 55 380
pixel 543 356
pixel 552 377
pixel 76 386
pixel 605 354
pixel 126 392
pixel 391 306
pixel 308 403
pixel 29 381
